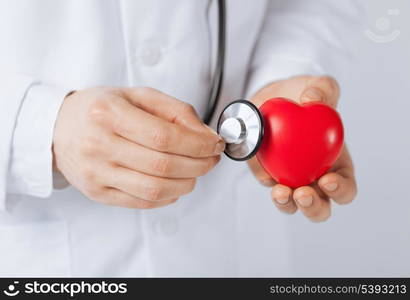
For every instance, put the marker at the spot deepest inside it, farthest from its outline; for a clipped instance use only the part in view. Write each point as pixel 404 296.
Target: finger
pixel 311 204
pixel 282 198
pixel 340 183
pixel 165 107
pixel 324 89
pixel 260 173
pixel 148 187
pixel 138 158
pixel 150 131
pixel 342 189
pixel 114 197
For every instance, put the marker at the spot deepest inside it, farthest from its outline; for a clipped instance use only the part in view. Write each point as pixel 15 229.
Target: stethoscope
pixel 240 123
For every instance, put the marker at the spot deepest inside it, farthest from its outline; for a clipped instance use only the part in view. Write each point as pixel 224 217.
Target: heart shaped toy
pixel 301 142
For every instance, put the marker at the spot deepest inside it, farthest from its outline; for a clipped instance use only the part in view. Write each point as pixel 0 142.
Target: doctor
pixel 101 116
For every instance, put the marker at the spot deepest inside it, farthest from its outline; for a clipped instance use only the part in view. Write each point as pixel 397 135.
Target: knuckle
pixel 161 139
pixel 146 205
pixel 100 111
pixel 187 109
pixel 143 92
pixel 89 177
pixel 153 191
pixel 89 146
pixel 161 164
pixel 115 91
pixel 116 158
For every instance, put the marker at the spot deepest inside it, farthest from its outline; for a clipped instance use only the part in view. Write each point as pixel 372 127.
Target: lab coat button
pixel 150 53
pixel 167 226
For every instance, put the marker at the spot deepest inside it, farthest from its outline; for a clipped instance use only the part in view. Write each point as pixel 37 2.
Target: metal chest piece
pixel 241 126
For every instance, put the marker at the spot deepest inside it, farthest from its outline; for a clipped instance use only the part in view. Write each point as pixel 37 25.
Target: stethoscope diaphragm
pixel 241 126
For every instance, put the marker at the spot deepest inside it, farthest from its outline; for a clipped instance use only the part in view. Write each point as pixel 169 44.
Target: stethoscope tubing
pixel 217 80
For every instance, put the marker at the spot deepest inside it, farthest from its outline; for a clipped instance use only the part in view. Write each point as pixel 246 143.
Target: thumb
pixel 312 94
pixel 324 89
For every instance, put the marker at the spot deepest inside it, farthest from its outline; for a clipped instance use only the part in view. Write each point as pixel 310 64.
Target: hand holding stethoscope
pixel 103 152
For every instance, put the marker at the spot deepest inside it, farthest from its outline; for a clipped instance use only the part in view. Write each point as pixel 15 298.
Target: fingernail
pixel 312 94
pixel 282 200
pixel 219 148
pixel 331 186
pixel 305 201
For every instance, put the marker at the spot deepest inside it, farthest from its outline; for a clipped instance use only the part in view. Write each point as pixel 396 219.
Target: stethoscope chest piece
pixel 241 126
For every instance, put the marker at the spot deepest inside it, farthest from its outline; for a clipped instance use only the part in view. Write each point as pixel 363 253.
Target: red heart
pixel 300 142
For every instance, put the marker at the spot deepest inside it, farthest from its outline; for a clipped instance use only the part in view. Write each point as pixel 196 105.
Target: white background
pixel 371 237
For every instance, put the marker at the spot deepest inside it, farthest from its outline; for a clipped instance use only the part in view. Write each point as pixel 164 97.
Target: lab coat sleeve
pixel 302 37
pixel 28 112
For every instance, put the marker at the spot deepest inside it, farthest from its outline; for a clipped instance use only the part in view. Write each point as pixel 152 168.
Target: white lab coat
pixel 227 226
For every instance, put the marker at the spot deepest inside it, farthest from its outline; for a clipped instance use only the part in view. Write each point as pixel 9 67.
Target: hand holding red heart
pixel 339 183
